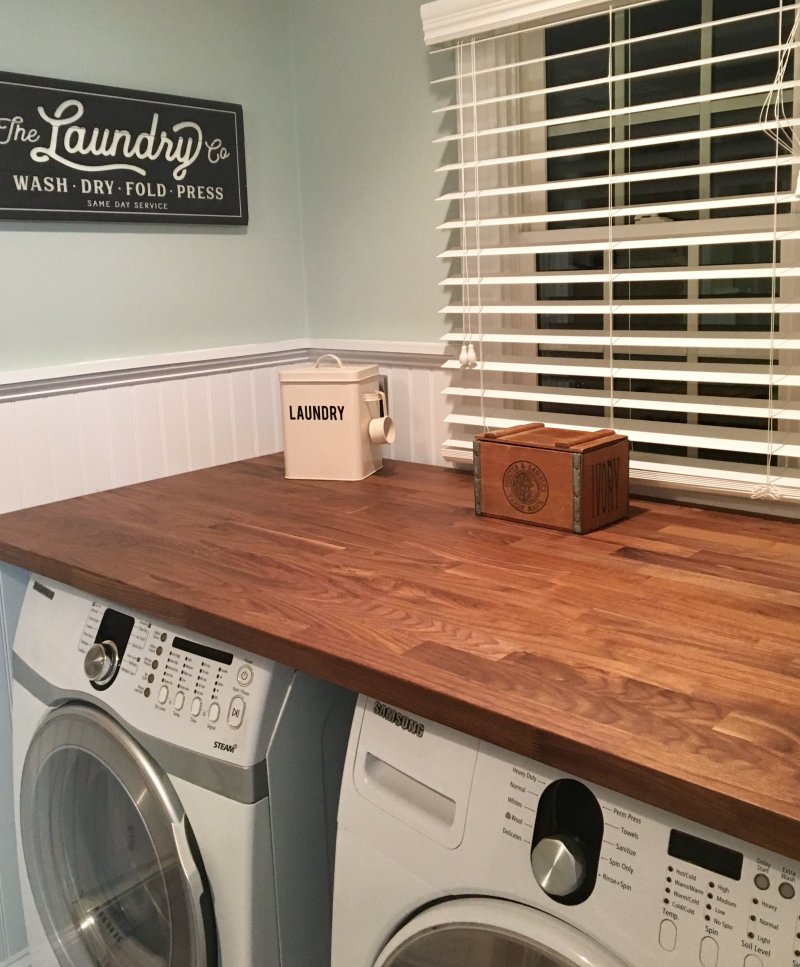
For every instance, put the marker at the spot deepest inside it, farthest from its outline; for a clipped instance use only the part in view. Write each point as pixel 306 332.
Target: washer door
pixel 112 863
pixel 491 933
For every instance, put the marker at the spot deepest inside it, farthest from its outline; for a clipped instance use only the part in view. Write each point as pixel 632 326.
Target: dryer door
pixel 112 864
pixel 491 933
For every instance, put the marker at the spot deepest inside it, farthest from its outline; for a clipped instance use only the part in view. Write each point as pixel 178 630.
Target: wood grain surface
pixel 659 657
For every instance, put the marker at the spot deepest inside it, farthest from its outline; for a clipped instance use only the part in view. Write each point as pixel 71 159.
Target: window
pixel 623 235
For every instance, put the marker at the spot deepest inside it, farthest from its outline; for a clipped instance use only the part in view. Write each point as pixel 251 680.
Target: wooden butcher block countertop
pixel 659 657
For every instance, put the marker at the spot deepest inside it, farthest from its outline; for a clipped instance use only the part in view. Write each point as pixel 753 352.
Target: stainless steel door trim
pixel 491 932
pixel 86 917
pixel 241 784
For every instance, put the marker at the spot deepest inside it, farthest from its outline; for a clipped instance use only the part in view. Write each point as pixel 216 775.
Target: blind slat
pixel 712 406
pixel 644 235
pixel 691 373
pixel 708 438
pixel 653 308
pixel 661 210
pixel 621 340
pixel 629 275
pixel 631 177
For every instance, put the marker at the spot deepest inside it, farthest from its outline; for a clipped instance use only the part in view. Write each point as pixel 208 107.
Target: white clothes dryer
pixel 175 796
pixel 454 853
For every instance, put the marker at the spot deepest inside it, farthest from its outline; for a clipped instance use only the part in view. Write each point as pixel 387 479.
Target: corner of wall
pixel 298 172
pixel 13 582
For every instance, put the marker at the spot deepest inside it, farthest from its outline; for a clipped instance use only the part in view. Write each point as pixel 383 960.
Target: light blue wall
pixel 367 161
pixel 82 292
pixel 337 110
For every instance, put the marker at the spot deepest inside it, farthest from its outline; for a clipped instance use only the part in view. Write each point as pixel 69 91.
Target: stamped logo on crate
pixel 525 487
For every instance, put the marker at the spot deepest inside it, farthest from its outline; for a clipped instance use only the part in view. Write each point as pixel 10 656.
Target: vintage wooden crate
pixel 571 480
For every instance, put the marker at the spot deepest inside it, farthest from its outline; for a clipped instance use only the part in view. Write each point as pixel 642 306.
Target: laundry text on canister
pixel 314 412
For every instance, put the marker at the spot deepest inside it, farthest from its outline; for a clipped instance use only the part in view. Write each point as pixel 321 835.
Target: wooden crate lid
pixel 551 438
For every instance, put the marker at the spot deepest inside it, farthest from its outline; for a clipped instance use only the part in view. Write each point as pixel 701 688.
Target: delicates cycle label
pixel 81 151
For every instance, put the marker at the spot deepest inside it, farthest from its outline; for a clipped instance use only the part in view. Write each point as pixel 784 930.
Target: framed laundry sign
pixel 84 152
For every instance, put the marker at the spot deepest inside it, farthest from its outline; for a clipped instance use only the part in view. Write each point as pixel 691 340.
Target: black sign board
pixel 80 151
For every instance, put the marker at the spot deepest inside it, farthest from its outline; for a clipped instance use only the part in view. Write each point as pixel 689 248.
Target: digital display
pixel 709 856
pixel 202 651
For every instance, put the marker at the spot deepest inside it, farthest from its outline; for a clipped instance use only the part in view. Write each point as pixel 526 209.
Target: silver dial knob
pixel 101 662
pixel 558 865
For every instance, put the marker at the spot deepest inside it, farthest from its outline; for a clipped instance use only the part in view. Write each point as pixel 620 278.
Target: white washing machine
pixel 175 796
pixel 454 853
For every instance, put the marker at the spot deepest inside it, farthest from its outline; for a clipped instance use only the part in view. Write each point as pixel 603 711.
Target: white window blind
pixel 623 241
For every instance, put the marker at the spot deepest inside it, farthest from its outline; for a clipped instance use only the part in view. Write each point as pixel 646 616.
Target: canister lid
pixel 328 372
pixel 551 437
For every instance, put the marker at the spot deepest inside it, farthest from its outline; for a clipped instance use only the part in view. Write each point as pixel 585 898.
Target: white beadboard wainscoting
pixel 77 430
pixel 80 430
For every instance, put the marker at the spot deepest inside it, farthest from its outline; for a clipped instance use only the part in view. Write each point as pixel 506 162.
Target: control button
pixel 180 698
pixel 100 662
pixel 244 676
pixel 709 952
pixel 147 693
pixel 151 678
pixel 213 712
pixel 236 712
pixel 558 865
pixel 154 663
pixel 786 890
pixel 761 881
pixel 163 695
pixel 668 935
pixel 751 960
pixel 196 706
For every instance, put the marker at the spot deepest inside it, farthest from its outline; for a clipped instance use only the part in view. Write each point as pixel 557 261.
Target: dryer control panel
pixel 461 817
pixel 654 886
pixel 187 689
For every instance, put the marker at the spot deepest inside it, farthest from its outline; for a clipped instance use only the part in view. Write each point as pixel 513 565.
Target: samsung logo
pixel 47 592
pixel 224 747
pixel 402 721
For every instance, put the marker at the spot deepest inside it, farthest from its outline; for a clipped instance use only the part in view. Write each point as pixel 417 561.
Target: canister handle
pixel 329 356
pixel 381 428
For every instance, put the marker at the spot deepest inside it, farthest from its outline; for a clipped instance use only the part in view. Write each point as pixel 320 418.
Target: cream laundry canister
pixel 335 422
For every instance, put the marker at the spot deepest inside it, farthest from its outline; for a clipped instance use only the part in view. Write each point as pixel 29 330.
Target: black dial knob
pixel 559 865
pixel 100 662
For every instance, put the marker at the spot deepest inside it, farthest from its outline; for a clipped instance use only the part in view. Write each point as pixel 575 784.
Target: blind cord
pixel 471 358
pixel 610 253
pixel 463 356
pixel 774 106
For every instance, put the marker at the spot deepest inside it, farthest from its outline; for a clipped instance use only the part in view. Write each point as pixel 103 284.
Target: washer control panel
pixel 204 683
pixel 184 688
